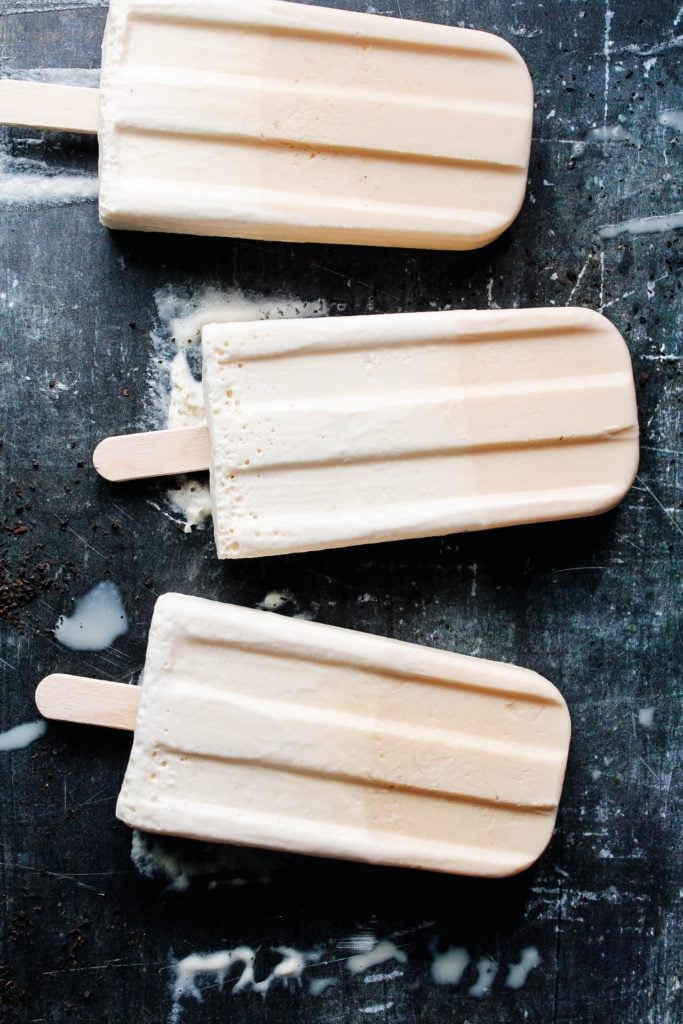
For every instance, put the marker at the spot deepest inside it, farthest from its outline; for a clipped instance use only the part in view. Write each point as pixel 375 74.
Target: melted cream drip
pixel 98 619
pixel 176 397
pixel 22 736
pixel 486 973
pixel 215 967
pixel 449 967
pixel 529 958
pixel 379 954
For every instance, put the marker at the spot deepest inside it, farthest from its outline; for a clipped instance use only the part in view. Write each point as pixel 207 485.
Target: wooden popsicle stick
pixel 88 701
pixel 157 453
pixel 60 108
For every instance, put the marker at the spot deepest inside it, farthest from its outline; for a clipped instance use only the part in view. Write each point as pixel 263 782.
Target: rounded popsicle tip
pixel 49 696
pixel 105 460
pixel 521 861
pixel 44 693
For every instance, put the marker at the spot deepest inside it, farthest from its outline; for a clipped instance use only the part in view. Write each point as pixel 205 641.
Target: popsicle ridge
pixel 373 745
pixel 309 124
pixel 354 430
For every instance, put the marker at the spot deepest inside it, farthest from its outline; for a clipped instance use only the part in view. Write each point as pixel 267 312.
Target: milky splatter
pixel 643 225
pixel 380 953
pixel 646 717
pixel 214 967
pixel 449 967
pixel 529 958
pixel 486 974
pixel 98 619
pixel 671 119
pixel 22 736
pixel 175 393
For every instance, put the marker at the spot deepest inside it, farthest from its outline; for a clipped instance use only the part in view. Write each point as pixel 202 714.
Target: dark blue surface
pixel 593 605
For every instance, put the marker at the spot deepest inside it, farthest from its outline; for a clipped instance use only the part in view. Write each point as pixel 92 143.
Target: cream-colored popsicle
pixel 350 430
pixel 257 729
pixel 275 120
pixel 285 121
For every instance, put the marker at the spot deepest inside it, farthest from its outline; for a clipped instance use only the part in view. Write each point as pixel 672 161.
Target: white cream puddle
pixel 22 736
pixel 176 396
pixel 274 600
pixel 655 225
pixel 609 133
pixel 317 986
pixel 529 958
pixel 380 953
pixel 192 499
pixel 646 717
pixel 237 968
pixel 486 975
pixel 671 119
pixel 214 968
pixel 449 967
pixel 98 619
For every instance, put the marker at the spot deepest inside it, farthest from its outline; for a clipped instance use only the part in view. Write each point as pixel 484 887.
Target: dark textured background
pixel 591 605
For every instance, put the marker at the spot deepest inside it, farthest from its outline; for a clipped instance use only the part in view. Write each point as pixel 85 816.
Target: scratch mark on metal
pixel 667 512
pixel 579 277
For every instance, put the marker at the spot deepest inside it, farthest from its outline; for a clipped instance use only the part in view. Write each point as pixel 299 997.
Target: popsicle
pixel 257 729
pixel 349 430
pixel 274 120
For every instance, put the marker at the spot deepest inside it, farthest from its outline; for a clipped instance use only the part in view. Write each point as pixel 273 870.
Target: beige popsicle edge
pixel 60 108
pixel 84 701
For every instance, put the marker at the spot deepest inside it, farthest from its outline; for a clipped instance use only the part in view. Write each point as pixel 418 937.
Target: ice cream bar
pixel 257 729
pixel 332 432
pixel 273 120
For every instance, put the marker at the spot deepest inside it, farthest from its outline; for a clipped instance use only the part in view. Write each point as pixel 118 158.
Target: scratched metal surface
pixel 592 605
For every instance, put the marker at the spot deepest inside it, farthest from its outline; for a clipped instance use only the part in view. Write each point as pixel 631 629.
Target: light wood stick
pixel 88 701
pixel 60 108
pixel 157 453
